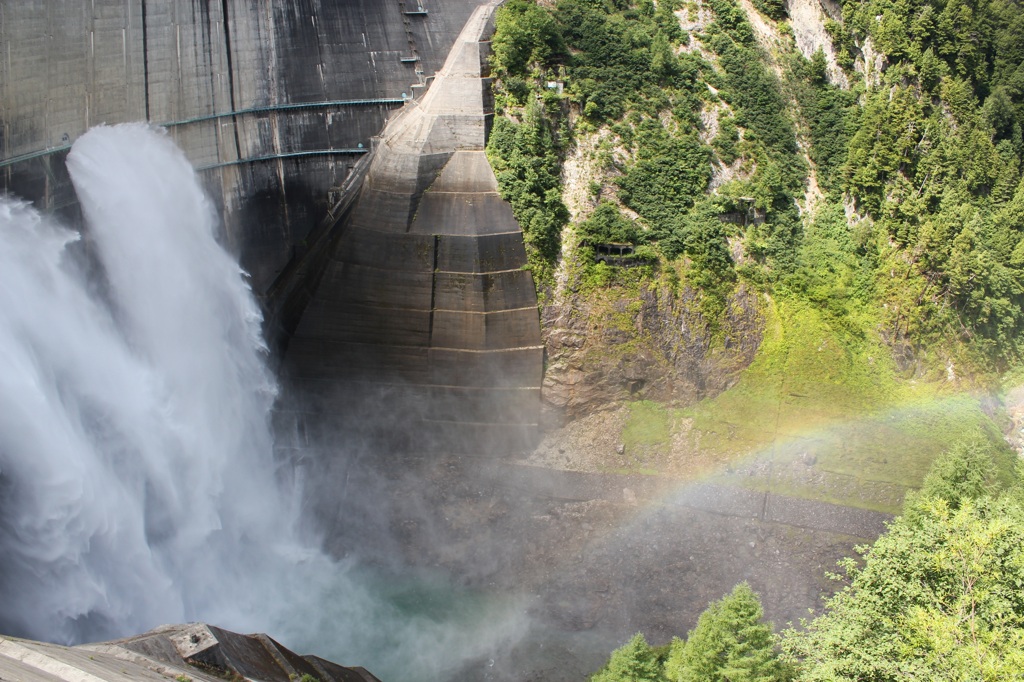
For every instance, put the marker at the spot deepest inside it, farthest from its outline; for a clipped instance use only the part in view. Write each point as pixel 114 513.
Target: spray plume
pixel 134 443
pixel 137 480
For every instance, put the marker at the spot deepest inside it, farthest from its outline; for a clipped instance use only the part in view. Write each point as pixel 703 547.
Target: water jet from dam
pixel 135 447
pixel 138 480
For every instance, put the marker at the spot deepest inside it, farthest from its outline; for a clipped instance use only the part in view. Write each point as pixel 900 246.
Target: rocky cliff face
pixel 614 345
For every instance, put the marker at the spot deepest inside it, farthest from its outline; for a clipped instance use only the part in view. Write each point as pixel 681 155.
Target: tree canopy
pixel 939 596
pixel 729 644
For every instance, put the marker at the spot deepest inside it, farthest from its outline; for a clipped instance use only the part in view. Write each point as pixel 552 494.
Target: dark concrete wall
pixel 419 285
pixel 67 66
pixel 424 334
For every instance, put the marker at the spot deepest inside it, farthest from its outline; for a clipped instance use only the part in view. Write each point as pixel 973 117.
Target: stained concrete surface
pixel 67 67
pixel 594 558
pixel 424 298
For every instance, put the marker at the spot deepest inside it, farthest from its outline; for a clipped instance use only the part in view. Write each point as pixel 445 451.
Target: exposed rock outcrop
pixel 196 652
pixel 807 17
pixel 609 347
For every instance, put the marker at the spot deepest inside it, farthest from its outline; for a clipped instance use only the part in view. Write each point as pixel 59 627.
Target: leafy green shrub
pixel 524 34
pixel 525 158
pixel 607 224
pixel 773 9
pixel 623 56
pixel 937 598
pixel 668 176
pixel 832 271
pixel 726 139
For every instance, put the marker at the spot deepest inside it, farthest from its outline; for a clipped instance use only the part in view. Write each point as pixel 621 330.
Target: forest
pixel 926 159
pixel 881 194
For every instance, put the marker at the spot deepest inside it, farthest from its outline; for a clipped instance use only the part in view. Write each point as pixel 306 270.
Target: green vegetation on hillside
pixel 937 597
pixel 830 113
pixel 623 68
pixel 525 157
pixel 881 224
pixel 929 154
pixel 934 161
pixel 916 249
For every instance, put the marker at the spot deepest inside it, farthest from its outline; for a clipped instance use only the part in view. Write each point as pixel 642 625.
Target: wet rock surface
pixel 192 651
pixel 603 349
pixel 597 557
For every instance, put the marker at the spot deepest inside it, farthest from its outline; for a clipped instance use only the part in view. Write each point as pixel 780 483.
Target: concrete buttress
pixel 424 333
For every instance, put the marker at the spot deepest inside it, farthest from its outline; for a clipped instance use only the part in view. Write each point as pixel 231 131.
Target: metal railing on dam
pixel 244 112
pixel 286 155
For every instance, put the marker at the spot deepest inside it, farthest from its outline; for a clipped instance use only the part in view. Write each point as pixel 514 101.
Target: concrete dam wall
pixel 414 288
pixel 275 101
pixel 424 310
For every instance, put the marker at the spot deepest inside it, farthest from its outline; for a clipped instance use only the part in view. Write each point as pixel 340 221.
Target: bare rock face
pixel 1013 403
pixel 807 19
pixel 606 348
pixel 194 651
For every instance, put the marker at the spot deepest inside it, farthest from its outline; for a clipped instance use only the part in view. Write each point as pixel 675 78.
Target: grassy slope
pixel 825 410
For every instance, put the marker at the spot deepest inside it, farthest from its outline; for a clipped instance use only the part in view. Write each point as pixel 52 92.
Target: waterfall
pixel 137 484
pixel 137 479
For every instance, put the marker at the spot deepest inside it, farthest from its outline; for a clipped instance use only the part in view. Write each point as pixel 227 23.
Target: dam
pixel 342 146
pixel 275 102
pixel 388 268
pixel 424 308
pixel 280 109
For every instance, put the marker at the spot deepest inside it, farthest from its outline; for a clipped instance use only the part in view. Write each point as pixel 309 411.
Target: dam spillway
pixel 278 101
pixel 421 262
pixel 399 268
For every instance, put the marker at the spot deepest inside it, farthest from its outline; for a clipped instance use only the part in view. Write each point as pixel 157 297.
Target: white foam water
pixel 136 465
pixel 138 484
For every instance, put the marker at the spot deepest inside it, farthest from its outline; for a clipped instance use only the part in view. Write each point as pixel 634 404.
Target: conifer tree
pixel 635 661
pixel 729 644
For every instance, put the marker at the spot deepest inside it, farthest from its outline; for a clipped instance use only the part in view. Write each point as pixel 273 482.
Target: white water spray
pixel 137 481
pixel 136 478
